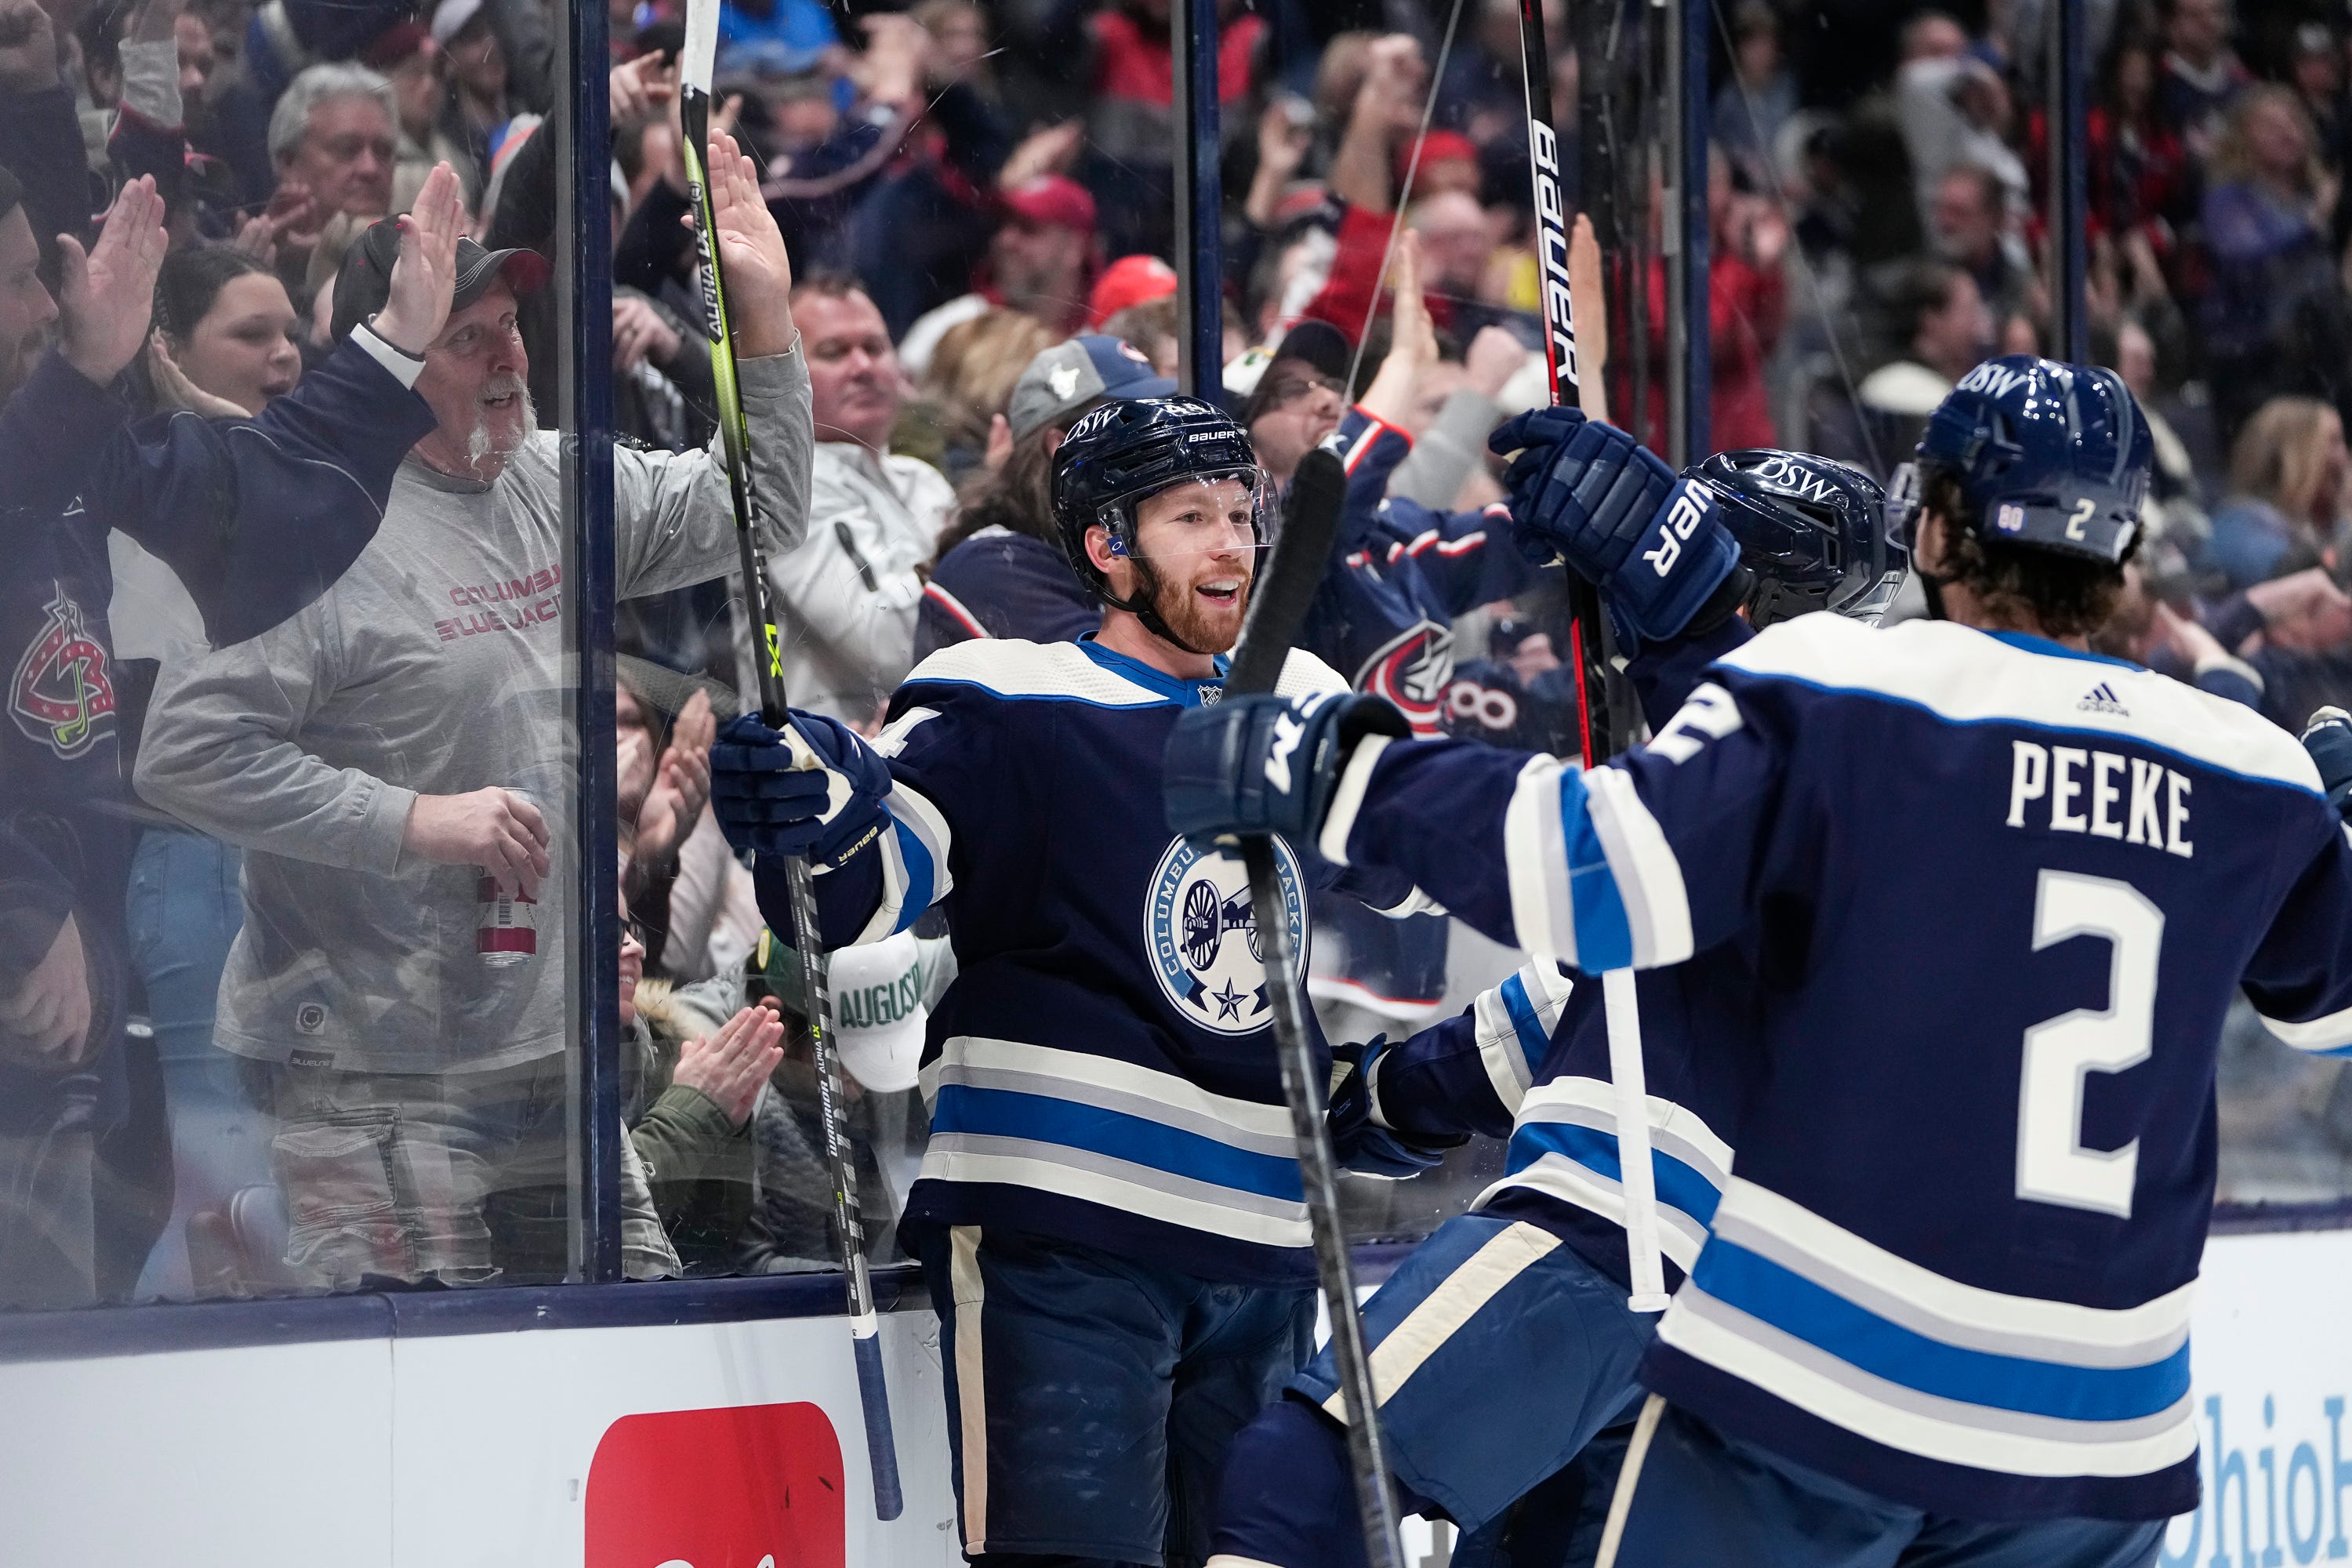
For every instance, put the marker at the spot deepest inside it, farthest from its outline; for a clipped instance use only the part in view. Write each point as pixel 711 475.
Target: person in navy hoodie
pixel 256 517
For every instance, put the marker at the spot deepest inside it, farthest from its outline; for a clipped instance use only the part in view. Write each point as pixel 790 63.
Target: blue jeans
pixel 184 910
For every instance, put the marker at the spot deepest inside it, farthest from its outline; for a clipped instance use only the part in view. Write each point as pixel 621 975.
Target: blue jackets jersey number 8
pixel 1101 1069
pixel 2006 890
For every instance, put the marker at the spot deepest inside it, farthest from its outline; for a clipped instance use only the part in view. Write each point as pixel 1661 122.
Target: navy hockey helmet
pixel 1812 533
pixel 1125 452
pixel 2051 455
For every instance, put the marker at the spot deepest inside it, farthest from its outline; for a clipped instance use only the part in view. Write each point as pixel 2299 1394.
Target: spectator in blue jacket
pixel 255 518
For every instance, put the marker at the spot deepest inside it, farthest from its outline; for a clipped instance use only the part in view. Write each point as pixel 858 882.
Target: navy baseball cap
pixel 1072 376
pixel 364 281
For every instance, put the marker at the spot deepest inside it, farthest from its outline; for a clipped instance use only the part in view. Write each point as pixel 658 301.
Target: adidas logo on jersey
pixel 2102 699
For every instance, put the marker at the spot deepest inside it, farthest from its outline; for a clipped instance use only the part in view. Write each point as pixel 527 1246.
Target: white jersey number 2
pixel 2053 1166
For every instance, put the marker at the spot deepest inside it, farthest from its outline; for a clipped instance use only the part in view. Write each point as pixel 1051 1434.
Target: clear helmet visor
pixel 1201 518
pixel 1903 505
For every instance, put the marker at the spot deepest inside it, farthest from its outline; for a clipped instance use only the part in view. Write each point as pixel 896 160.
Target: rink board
pixel 719 1444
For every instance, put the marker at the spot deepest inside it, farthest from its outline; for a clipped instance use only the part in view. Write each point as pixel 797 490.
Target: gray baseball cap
pixel 1068 377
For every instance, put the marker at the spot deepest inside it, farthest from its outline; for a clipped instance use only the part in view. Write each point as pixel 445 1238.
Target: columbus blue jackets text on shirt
pixel 1101 1069
pixel 2013 887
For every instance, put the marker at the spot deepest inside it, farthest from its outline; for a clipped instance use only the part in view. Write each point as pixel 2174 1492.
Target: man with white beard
pixel 393 760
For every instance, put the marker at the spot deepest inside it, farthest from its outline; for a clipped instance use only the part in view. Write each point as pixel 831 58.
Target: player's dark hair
pixel 1018 497
pixel 12 193
pixel 191 279
pixel 2064 594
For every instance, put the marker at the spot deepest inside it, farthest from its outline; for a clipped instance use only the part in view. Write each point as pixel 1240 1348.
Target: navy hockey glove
pixel 2328 738
pixel 1267 764
pixel 816 790
pixel 1358 1141
pixel 1589 494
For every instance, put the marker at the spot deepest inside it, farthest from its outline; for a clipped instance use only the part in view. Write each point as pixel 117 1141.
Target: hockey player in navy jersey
pixel 1109 1213
pixel 2006 888
pixel 1521 1348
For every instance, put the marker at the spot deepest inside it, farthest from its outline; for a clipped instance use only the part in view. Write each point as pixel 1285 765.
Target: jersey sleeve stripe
pixel 1567 1181
pixel 2329 1035
pixel 914 864
pixel 1602 927
pixel 1644 872
pixel 1676 1128
pixel 1534 849
pixel 1528 1029
pixel 1347 800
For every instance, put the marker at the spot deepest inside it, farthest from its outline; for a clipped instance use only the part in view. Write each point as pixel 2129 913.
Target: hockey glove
pixel 1267 764
pixel 1359 1140
pixel 1589 494
pixel 815 789
pixel 2328 738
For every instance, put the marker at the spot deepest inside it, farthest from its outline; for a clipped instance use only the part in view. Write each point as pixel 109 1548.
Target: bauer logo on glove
pixel 812 789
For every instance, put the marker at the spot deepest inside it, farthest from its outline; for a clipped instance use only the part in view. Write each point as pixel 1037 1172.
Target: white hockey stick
pixel 1571 293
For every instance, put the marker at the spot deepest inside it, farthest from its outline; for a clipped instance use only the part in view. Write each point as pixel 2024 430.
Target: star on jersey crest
pixel 1229 1001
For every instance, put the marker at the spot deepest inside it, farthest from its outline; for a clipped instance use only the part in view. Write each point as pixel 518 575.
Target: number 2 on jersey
pixel 2053 1166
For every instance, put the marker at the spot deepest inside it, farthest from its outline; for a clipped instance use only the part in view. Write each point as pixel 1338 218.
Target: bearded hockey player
pixel 1110 1214
pixel 1521 1347
pixel 2004 888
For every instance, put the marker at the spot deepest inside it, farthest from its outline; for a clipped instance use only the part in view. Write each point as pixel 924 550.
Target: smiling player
pixel 1110 1214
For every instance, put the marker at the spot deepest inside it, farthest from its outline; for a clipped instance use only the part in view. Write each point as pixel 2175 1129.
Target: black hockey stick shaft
pixel 1605 717
pixel 1278 605
pixel 865 1325
pixel 1587 655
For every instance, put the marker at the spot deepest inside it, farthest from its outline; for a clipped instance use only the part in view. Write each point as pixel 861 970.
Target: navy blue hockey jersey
pixel 1529 1061
pixel 2009 888
pixel 1102 1069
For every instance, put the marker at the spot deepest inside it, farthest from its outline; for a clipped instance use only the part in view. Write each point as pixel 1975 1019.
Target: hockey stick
pixel 1278 605
pixel 1586 386
pixel 694 112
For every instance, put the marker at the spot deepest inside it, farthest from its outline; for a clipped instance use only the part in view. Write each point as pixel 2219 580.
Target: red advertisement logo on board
pixel 757 1486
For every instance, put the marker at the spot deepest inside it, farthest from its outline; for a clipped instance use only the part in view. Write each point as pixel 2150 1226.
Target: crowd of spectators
pixel 286 835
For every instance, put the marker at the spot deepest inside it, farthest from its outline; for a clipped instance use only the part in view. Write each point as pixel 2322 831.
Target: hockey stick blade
pixel 1283 592
pixel 1279 601
pixel 873 1391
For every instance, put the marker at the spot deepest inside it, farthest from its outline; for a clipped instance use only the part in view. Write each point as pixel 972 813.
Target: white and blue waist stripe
pixel 1565 1147
pixel 1111 1133
pixel 1817 1316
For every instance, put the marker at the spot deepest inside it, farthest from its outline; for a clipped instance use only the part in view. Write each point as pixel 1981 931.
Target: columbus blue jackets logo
pixel 1410 669
pixel 62 694
pixel 1204 939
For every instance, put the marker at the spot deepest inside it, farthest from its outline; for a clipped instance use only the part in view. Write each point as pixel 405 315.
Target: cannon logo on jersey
pixel 62 695
pixel 1410 669
pixel 1202 935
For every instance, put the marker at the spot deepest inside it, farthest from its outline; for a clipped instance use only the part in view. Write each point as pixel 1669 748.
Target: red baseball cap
pixel 1052 199
pixel 1438 147
pixel 1129 280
